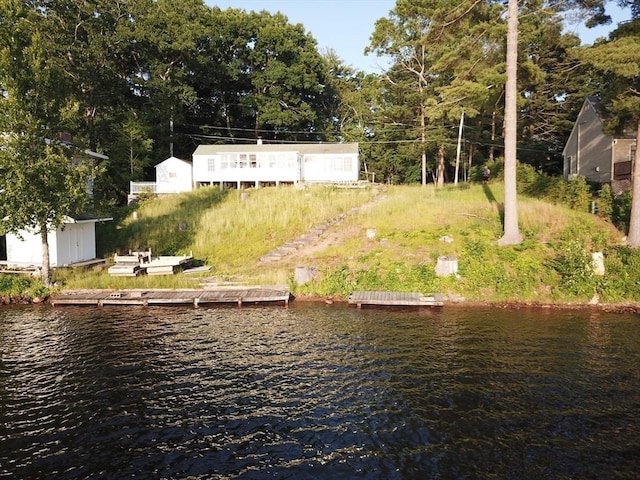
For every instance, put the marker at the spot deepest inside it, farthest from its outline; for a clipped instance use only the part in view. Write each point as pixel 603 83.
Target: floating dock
pixel 395 299
pixel 235 296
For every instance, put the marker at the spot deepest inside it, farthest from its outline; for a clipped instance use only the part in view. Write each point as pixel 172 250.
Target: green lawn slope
pixel 231 231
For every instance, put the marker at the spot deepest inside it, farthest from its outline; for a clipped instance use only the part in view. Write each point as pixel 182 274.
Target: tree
pixel 40 184
pixel 512 235
pixel 288 80
pixel 443 53
pixel 619 59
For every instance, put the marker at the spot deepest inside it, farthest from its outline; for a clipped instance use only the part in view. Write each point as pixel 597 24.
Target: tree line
pixel 139 80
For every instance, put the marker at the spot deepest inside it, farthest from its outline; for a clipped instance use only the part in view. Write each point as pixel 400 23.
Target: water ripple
pixel 316 392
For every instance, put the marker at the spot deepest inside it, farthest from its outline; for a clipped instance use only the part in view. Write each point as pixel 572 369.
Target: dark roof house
pixel 592 154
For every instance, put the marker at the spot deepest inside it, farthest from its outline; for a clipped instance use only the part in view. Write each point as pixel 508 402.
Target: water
pixel 314 392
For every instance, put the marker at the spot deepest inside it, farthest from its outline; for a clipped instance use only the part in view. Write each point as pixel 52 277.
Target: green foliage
pixel 578 195
pixel 622 278
pixel 21 288
pixel 605 203
pixel 573 264
pixel 336 282
pixel 622 211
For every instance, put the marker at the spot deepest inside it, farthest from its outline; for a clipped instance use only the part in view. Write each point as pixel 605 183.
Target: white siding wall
pixel 330 168
pixel 205 168
pixel 174 176
pixel 247 167
pixel 75 243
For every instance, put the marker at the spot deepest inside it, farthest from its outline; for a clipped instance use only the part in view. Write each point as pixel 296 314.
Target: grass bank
pixel 414 226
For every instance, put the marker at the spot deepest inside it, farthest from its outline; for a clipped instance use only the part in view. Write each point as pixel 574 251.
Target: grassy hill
pixel 231 231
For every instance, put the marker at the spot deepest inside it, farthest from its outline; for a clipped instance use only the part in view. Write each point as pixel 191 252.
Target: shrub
pixel 622 211
pixel 14 287
pixel 578 195
pixel 605 203
pixel 622 278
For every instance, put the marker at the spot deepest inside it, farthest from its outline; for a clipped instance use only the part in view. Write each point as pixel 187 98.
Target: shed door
pixel 3 248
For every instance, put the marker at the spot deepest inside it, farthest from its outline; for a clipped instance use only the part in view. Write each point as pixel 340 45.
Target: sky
pixel 346 25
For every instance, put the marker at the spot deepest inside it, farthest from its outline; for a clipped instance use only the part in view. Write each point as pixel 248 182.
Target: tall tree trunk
pixel 493 135
pixel 455 178
pixel 440 177
pixel 633 239
pixel 46 263
pixel 424 148
pixel 512 234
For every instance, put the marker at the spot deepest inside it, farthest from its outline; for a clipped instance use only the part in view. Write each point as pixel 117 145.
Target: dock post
pixel 195 302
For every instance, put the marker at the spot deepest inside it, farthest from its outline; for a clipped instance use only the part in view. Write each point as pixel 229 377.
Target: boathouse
pixel 73 242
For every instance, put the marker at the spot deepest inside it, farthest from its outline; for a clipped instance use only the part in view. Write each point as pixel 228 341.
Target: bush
pixel 622 211
pixel 578 195
pixel 17 288
pixel 605 203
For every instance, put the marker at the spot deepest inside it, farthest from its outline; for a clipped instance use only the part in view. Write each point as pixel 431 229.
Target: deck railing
pixel 135 188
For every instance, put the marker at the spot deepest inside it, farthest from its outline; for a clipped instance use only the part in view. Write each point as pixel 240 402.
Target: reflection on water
pixel 318 392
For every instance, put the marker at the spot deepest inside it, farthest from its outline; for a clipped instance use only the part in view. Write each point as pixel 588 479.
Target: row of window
pixel 279 161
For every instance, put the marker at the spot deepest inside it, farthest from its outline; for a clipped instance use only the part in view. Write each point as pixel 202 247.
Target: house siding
pixel 592 154
pixel 174 176
pixel 74 242
pixel 588 151
pixel 275 163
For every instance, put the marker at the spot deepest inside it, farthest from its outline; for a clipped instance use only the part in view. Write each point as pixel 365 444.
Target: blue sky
pixel 342 25
pixel 346 25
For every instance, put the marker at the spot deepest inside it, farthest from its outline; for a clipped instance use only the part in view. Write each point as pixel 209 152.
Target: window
pixel 211 164
pixel 173 175
pixel 632 153
pixel 253 161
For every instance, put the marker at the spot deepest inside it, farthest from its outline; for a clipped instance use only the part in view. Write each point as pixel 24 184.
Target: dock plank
pixel 238 295
pixel 394 299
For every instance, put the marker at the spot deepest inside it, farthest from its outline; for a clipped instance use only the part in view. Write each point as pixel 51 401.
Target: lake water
pixel 318 392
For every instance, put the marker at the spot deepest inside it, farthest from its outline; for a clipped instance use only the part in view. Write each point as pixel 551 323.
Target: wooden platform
pixel 395 299
pixel 238 296
pixel 140 263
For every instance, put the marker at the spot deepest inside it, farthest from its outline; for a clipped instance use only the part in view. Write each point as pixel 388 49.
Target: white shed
pixel 73 242
pixel 174 176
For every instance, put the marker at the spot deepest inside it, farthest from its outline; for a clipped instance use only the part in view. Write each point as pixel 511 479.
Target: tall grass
pixel 244 228
pixel 415 225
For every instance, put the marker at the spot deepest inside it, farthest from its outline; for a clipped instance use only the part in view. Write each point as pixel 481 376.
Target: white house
pixel 73 242
pixel 273 164
pixel 174 176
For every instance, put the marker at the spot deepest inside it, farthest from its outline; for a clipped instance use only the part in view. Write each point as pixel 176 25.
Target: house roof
pixel 174 159
pixel 85 218
pixel 604 115
pixel 302 148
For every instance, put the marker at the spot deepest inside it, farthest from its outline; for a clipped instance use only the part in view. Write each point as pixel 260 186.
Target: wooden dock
pixel 395 299
pixel 231 296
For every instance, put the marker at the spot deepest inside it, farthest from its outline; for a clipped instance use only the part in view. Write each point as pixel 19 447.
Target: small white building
pixel 273 164
pixel 73 242
pixel 174 176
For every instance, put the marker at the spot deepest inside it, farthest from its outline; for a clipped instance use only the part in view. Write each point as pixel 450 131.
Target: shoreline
pixel 623 307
